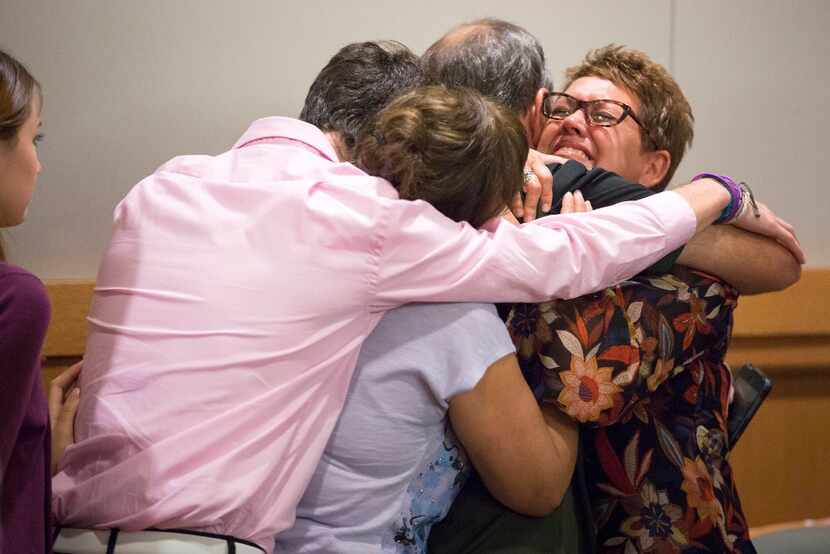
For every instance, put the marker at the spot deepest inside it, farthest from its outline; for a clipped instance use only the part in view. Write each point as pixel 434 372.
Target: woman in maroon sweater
pixel 24 315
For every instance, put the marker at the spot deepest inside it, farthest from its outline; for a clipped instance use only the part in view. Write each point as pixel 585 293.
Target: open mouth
pixel 573 153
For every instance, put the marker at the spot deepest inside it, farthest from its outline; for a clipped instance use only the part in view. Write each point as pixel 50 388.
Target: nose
pixel 576 123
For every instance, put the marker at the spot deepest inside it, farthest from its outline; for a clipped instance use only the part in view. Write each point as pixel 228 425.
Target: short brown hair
pixel 664 110
pixel 453 148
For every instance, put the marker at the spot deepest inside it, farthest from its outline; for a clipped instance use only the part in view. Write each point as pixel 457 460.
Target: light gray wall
pixel 129 85
pixel 756 74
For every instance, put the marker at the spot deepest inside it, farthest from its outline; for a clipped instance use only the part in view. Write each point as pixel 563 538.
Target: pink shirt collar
pixel 287 128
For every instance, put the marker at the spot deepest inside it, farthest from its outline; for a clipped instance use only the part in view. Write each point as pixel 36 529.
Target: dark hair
pixel 17 91
pixel 664 110
pixel 356 83
pixel 453 148
pixel 496 58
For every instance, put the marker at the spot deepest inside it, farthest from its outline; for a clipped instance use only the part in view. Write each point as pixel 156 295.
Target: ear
pixel 533 120
pixel 655 168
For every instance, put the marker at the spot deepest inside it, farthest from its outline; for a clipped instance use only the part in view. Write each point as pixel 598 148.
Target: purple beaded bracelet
pixel 735 195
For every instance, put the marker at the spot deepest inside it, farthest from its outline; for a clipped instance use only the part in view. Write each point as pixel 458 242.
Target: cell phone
pixel 751 388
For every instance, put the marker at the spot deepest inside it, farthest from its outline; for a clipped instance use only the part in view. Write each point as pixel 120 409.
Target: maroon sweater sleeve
pixel 24 317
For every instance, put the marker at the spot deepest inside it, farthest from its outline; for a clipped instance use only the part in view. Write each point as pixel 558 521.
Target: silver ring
pixel 528 176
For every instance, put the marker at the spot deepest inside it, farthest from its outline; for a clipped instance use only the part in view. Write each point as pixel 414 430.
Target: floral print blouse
pixel 641 366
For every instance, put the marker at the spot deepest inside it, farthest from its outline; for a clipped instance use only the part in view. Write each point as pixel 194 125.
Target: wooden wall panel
pixel 70 305
pixel 780 463
pixel 770 325
pixel 801 310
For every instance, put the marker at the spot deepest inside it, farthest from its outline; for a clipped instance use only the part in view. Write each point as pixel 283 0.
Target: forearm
pixel 602 189
pixel 564 437
pixel 539 486
pixel 707 198
pixel 524 456
pixel 562 256
pixel 542 471
pixel 751 263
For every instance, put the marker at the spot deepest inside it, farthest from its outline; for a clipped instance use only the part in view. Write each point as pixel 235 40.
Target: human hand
pixel 64 396
pixel 768 224
pixel 508 216
pixel 574 203
pixel 537 187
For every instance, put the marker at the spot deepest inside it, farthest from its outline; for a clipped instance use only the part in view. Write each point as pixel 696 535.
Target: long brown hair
pixel 453 148
pixel 17 92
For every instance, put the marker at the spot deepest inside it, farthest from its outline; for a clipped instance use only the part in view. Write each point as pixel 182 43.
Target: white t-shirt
pixel 392 467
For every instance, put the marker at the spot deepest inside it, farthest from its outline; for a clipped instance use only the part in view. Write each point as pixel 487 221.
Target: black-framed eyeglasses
pixel 603 112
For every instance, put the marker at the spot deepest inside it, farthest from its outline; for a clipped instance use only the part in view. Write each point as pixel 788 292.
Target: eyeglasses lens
pixel 598 112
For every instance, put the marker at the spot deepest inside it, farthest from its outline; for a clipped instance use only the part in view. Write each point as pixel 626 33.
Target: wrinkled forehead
pixel 598 88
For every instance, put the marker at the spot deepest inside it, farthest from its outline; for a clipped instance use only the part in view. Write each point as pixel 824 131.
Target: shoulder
pixel 17 283
pixel 464 318
pixel 441 335
pixel 22 296
pixel 441 332
pixel 446 347
pixel 569 173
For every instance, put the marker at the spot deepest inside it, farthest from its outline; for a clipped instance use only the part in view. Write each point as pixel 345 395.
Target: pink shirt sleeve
pixel 425 257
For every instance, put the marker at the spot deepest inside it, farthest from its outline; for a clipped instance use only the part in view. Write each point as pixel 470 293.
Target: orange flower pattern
pixel 588 389
pixel 641 366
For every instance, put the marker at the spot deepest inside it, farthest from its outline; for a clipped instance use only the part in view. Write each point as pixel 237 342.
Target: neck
pixel 336 141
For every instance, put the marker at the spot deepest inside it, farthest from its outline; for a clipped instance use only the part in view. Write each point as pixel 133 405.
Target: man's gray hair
pixel 496 58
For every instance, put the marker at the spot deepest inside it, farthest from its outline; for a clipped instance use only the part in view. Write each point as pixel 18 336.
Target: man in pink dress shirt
pixel 237 290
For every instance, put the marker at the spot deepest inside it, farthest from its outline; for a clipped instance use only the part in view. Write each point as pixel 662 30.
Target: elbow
pixel 790 274
pixel 538 501
pixel 547 502
pixel 785 274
